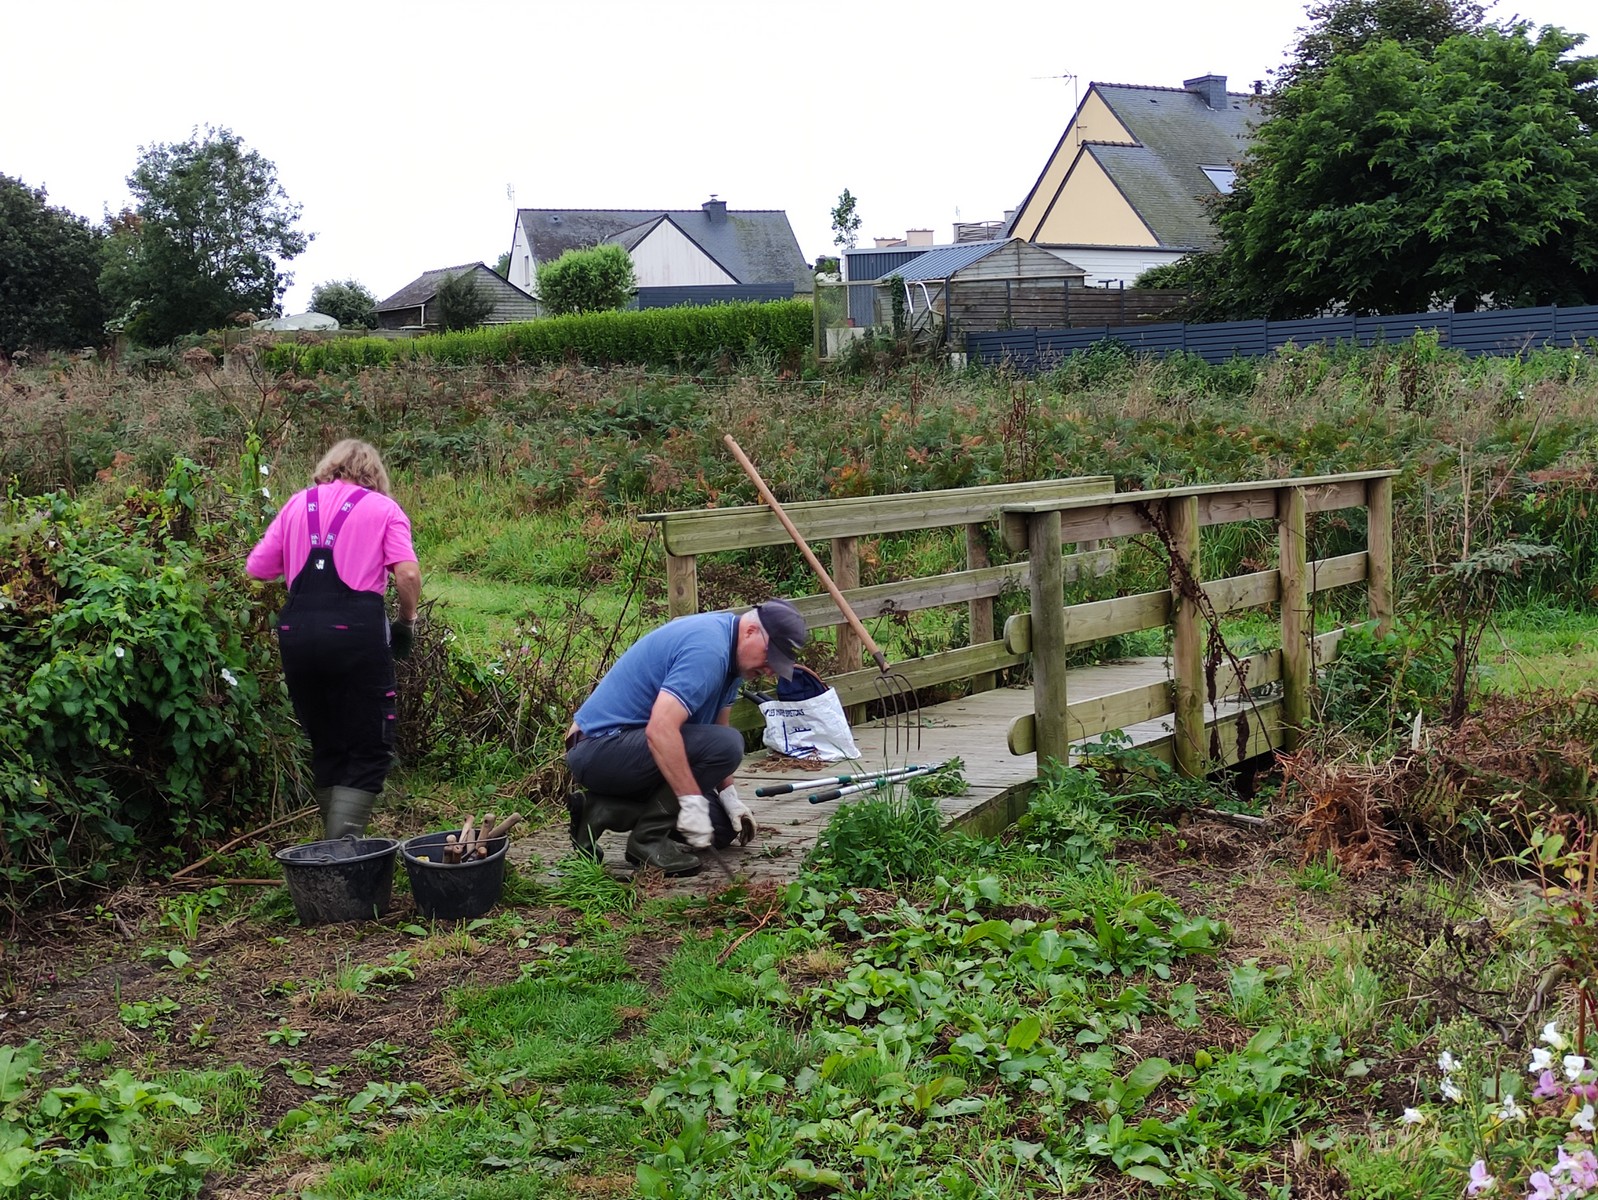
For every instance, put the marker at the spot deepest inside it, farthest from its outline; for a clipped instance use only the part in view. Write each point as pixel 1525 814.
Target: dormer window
pixel 1221 177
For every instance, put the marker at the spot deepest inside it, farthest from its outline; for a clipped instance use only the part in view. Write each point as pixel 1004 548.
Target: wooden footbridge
pixel 1069 530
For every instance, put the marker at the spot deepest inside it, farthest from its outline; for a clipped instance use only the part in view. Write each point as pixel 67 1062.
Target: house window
pixel 527 269
pixel 1221 177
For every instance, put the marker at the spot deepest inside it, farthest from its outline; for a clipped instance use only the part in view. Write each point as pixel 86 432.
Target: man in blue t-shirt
pixel 652 743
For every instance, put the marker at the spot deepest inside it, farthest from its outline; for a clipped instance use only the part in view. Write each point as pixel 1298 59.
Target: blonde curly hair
pixel 354 462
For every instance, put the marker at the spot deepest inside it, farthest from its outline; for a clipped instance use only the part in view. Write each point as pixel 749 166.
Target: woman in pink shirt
pixel 337 543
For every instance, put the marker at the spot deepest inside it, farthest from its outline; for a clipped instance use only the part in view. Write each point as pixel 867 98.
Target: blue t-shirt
pixel 690 657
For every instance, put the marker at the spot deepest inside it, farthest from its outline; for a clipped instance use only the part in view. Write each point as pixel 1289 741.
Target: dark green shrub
pixel 598 279
pixel 463 302
pixel 1376 685
pixel 145 709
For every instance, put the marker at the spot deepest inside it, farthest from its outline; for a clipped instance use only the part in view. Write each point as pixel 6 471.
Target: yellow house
pixel 1126 186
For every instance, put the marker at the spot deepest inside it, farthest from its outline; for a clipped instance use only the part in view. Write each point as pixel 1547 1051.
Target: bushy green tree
pixel 598 279
pixel 1339 28
pixel 346 301
pixel 49 273
pixel 210 226
pixel 502 265
pixel 463 302
pixel 1400 176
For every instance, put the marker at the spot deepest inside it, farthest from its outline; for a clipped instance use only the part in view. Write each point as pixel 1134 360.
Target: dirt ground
pixel 65 983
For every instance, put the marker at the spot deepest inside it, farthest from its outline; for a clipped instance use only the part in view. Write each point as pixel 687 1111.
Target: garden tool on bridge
pixel 871 785
pixel 783 789
pixel 896 696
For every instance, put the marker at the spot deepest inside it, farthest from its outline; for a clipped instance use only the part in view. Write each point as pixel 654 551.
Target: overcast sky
pixel 404 129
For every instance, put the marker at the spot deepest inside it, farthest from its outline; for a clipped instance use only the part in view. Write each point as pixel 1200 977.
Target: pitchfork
pixel 896 695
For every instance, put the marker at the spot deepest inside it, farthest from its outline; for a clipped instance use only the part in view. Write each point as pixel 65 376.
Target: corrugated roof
pixel 752 245
pixel 943 261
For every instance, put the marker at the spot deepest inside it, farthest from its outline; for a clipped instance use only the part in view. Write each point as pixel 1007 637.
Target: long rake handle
pixel 810 556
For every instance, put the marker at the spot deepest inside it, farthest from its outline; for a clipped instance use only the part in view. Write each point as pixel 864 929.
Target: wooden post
pixel 1297 668
pixel 846 574
pixel 1187 642
pixel 1379 552
pixel 1048 638
pixel 979 611
pixel 682 585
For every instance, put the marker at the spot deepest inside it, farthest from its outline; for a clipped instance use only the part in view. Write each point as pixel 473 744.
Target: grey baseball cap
pixel 786 629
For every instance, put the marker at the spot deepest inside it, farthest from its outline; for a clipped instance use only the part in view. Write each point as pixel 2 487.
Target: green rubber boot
pixel 592 814
pixel 651 844
pixel 324 797
pixel 349 811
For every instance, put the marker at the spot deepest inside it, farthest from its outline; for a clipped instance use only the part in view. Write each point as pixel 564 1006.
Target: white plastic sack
pixel 810 728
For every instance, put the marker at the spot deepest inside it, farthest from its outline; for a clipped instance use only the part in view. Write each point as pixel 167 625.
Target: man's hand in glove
pixel 401 638
pixel 739 813
pixel 693 821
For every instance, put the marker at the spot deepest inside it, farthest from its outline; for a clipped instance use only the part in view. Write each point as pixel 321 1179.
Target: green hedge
pixel 694 338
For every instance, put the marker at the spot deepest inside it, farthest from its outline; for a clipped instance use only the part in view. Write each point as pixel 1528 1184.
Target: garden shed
pixel 982 285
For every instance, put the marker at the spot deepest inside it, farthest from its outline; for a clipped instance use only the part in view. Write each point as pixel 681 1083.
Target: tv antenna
pixel 510 193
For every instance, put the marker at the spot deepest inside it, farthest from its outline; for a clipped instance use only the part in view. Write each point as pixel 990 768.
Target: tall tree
pixel 213 224
pixel 1397 177
pixel 845 221
pixel 346 301
pixel 49 268
pixel 1339 28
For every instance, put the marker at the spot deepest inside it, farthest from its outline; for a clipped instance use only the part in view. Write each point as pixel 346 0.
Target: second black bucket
pixel 351 879
pixel 450 890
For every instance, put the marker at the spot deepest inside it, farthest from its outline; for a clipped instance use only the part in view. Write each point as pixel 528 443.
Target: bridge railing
pixel 1175 516
pixel 834 527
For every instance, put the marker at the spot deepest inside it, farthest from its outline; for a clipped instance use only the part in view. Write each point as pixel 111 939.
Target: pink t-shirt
pixel 376 535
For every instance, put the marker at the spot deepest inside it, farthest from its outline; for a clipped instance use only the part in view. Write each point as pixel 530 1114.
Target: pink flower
pixel 1547 1087
pixel 1480 1181
pixel 1542 1187
pixel 1581 1169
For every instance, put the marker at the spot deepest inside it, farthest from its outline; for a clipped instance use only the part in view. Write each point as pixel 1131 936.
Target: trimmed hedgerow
pixel 714 336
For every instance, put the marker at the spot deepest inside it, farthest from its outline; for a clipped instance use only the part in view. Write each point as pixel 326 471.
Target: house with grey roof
pixel 1128 184
pixel 415 306
pixel 679 256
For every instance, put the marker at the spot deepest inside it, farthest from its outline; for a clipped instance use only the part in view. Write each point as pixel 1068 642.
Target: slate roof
pixel 1176 134
pixel 751 245
pixel 424 287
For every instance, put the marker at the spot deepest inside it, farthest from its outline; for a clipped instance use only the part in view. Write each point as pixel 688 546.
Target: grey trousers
pixel 621 765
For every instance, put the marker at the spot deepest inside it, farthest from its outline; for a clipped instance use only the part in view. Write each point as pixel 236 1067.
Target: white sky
pixel 399 126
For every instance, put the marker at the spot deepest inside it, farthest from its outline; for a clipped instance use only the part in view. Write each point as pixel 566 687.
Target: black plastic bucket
pixel 351 879
pixel 449 890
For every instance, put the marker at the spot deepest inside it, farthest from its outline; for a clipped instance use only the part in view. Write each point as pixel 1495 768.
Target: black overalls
pixel 336 662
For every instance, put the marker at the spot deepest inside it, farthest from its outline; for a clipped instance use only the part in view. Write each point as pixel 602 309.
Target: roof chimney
pixel 1211 87
pixel 918 237
pixel 715 209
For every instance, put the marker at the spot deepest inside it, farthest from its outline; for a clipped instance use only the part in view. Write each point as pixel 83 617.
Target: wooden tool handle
pixel 505 826
pixel 804 548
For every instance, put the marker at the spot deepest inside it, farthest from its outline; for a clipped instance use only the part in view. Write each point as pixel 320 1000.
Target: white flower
pixel 265 470
pixel 1509 1110
pixel 1413 1116
pixel 1584 1119
pixel 229 678
pixel 1446 1063
pixel 1541 1060
pixel 1575 1064
pixel 1552 1036
pixel 1450 1092
pixel 267 492
pixel 119 652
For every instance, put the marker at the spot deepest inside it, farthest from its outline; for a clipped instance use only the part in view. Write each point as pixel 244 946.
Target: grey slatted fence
pixel 1498 331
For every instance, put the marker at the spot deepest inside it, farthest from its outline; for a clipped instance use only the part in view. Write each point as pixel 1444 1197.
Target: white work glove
pixel 738 812
pixel 693 821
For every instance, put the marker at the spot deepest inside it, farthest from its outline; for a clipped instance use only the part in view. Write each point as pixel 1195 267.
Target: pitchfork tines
pixel 901 709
